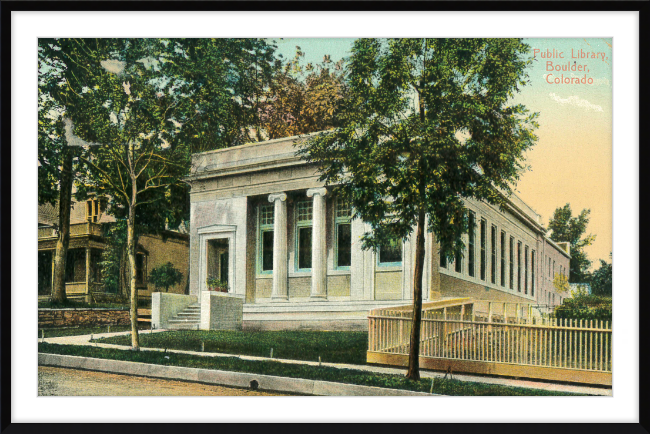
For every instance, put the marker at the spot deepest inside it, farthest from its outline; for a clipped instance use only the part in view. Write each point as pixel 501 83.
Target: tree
pixel 302 100
pixel 601 279
pixel 131 106
pixel 426 123
pixel 561 283
pixel 566 228
pixel 55 157
pixel 165 276
pixel 143 105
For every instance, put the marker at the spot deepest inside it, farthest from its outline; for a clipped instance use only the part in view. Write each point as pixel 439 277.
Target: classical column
pixel 279 291
pixel 318 247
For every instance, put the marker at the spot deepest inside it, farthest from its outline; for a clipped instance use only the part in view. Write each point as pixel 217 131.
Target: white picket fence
pixel 499 334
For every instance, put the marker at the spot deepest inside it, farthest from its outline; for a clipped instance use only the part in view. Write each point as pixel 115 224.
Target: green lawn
pixel 76 331
pixel 332 347
pixel 350 376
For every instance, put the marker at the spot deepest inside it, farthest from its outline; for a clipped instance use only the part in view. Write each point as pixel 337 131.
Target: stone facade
pixel 291 245
pixel 82 317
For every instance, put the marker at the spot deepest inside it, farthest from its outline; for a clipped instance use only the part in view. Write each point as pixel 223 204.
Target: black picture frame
pixel 6 9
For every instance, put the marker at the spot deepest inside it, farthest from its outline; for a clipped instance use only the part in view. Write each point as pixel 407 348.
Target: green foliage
pixel 79 331
pixel 601 279
pixel 51 135
pixel 113 258
pixel 322 373
pixel 214 284
pixel 165 276
pixel 425 124
pixel 586 307
pixel 566 228
pixel 561 283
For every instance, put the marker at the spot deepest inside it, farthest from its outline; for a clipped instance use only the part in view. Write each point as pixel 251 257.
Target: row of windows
pixel 389 254
pixel 520 259
pixel 551 269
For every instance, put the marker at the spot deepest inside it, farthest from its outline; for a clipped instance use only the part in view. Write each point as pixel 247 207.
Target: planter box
pixel 221 311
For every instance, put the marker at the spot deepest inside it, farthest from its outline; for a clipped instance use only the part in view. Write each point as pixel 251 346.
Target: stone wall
pixel 82 317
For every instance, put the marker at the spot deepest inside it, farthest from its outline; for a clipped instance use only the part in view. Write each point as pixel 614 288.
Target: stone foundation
pixel 82 317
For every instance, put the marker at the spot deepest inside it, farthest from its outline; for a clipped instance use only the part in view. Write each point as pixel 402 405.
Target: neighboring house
pixel 262 221
pixel 87 240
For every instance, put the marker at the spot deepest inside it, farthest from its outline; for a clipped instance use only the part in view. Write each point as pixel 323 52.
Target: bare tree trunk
pixel 414 349
pixel 130 246
pixel 65 199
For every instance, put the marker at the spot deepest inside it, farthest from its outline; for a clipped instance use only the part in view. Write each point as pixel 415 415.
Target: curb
pixel 225 378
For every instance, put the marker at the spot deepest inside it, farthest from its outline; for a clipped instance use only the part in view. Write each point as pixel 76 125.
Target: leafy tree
pixel 165 276
pixel 601 279
pixel 301 100
pixel 131 106
pixel 143 105
pixel 561 283
pixel 55 157
pixel 427 122
pixel 229 77
pixel 566 228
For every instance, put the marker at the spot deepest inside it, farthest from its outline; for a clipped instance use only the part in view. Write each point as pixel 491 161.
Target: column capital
pixel 277 196
pixel 322 191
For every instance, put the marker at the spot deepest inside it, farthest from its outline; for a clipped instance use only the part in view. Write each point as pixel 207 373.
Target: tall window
pixel 265 255
pixel 390 253
pixel 526 270
pixel 304 216
pixel 493 254
pixel 343 231
pixel 458 263
pixel 503 258
pixel 92 210
pixel 512 262
pixel 443 260
pixel 471 245
pixel 519 266
pixel 549 267
pixel 532 273
pixel 483 247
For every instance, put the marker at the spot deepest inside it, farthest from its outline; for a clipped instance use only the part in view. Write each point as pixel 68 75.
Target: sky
pixel 572 160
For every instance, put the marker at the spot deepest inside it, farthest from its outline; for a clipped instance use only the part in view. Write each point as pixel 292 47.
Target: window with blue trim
pixel 304 216
pixel 390 253
pixel 265 240
pixel 343 233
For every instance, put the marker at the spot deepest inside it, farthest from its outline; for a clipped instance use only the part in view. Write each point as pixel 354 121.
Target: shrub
pixel 586 307
pixel 165 276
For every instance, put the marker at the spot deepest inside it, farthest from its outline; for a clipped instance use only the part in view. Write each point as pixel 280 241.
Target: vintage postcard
pixel 325 217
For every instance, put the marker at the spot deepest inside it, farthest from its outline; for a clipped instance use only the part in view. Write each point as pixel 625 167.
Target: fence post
pixel 518 313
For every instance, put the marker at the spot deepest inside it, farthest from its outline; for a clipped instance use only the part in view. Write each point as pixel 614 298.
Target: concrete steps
pixel 187 319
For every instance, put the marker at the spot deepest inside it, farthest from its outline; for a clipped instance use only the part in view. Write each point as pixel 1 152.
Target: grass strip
pixel 323 373
pixel 78 331
pixel 331 347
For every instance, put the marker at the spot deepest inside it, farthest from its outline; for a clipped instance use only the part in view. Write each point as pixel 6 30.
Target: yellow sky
pixel 572 160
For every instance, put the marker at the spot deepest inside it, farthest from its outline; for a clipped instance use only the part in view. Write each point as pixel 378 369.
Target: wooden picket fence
pixel 496 343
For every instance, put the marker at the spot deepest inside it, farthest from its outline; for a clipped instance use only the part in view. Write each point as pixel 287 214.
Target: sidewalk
pixel 529 384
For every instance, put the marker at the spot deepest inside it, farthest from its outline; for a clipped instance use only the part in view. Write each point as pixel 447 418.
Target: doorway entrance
pixel 217 259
